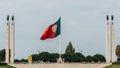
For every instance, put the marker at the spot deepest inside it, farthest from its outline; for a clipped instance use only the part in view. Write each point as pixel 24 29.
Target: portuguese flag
pixel 52 30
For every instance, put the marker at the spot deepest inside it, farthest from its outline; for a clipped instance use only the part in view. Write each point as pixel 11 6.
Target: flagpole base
pixel 59 60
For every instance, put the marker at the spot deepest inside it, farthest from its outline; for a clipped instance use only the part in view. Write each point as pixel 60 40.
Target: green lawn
pixel 113 66
pixel 6 66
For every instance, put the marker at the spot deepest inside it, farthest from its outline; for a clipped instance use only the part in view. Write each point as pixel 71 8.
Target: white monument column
pixel 113 40
pixel 12 40
pixel 7 56
pixel 107 41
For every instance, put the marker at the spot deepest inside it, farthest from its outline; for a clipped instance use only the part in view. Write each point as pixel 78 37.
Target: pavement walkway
pixel 62 65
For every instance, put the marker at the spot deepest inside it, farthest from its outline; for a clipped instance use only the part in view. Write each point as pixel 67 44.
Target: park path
pixel 62 65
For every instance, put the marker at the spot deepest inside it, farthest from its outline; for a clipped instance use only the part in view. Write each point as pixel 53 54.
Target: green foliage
pixel 118 51
pixel 79 57
pixel 73 57
pixel 95 58
pixel 3 64
pixel 53 57
pixel 68 57
pixel 24 60
pixel 113 66
pixel 16 60
pixel 70 48
pixel 88 59
pixel 118 59
pixel 44 56
pixel 35 57
pixel 98 57
pixel 7 66
pixel 2 55
pixel 116 63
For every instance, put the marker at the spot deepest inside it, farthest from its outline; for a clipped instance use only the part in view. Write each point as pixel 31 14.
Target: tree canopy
pixel 98 58
pixel 2 55
pixel 88 58
pixel 68 56
pixel 70 48
pixel 118 51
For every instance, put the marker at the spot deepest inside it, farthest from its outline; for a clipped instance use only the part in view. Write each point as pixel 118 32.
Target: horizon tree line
pixel 69 56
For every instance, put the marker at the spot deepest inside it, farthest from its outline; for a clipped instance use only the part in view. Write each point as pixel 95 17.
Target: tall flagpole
pixel 60 47
pixel 60 43
pixel 60 39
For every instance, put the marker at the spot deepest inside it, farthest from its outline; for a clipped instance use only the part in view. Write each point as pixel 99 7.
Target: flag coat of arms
pixel 52 30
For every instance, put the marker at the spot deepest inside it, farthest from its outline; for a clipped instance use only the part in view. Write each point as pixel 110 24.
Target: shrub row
pixel 3 64
pixel 116 63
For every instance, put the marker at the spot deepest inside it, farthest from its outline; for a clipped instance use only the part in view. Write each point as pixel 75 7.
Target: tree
pixel 44 56
pixel 78 57
pixel 88 58
pixel 35 57
pixel 24 60
pixel 69 57
pixel 17 60
pixel 118 51
pixel 98 57
pixel 70 48
pixel 2 55
pixel 53 57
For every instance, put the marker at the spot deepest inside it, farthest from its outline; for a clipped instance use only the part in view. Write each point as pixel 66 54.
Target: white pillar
pixel 108 41
pixel 12 40
pixel 113 41
pixel 7 41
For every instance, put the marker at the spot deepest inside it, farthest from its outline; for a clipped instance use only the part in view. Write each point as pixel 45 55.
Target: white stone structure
pixel 7 41
pixel 110 47
pixel 112 39
pixel 12 43
pixel 108 41
pixel 10 38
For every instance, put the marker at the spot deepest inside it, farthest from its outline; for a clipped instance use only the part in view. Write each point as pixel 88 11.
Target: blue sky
pixel 83 23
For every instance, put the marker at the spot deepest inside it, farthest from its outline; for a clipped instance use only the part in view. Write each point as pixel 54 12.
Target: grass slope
pixel 113 66
pixel 6 66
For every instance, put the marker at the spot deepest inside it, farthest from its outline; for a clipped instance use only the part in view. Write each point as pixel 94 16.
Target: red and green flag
pixel 52 30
